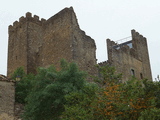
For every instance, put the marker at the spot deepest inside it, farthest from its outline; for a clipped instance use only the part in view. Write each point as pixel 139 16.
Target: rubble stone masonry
pixel 7 98
pixel 130 58
pixel 40 43
pixel 34 43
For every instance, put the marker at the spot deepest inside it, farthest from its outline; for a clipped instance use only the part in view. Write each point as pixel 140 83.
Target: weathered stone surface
pixel 130 59
pixel 5 116
pixel 34 43
pixel 7 98
pixel 18 111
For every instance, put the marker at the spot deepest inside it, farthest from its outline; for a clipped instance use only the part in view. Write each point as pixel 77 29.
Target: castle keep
pixel 34 43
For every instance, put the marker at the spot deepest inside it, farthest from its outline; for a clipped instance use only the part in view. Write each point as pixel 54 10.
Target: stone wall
pixel 130 58
pixel 17 46
pixel 141 47
pixel 7 98
pixel 34 43
pixel 84 48
pixel 57 39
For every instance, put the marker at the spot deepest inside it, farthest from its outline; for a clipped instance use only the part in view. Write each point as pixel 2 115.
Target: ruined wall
pixel 42 42
pixel 84 48
pixel 84 52
pixel 57 39
pixel 64 39
pixel 7 95
pixel 130 58
pixel 34 43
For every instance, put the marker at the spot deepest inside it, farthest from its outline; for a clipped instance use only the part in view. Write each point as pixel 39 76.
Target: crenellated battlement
pixel 131 54
pixel 137 36
pixel 128 47
pixel 111 42
pixel 28 18
pixel 35 42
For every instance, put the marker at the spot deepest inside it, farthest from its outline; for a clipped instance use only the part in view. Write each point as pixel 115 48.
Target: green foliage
pixel 23 88
pixel 123 101
pixel 47 99
pixel 23 84
pixel 65 95
pixel 150 114
pixel 79 103
pixel 107 75
pixel 135 98
pixel 19 73
pixel 153 88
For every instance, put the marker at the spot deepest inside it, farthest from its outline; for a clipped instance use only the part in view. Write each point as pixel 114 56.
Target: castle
pixel 33 43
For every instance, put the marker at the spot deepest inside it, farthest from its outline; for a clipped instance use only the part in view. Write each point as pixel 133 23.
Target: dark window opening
pixel 141 76
pixel 16 57
pixel 132 72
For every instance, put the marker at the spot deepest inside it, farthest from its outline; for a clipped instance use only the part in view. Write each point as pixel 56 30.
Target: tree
pixel 65 95
pixel 47 99
pixel 105 107
pixel 123 101
pixel 107 75
pixel 18 73
pixel 137 97
pixel 150 114
pixel 23 84
pixel 23 88
pixel 79 103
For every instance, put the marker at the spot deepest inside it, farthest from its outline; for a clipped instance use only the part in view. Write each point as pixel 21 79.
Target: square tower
pixel 37 43
pixel 25 40
pixel 130 58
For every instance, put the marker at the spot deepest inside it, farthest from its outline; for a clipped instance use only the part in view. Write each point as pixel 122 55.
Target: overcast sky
pixel 100 19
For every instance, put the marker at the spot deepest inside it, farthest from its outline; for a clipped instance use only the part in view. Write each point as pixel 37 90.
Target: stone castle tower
pixel 34 43
pixel 130 58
